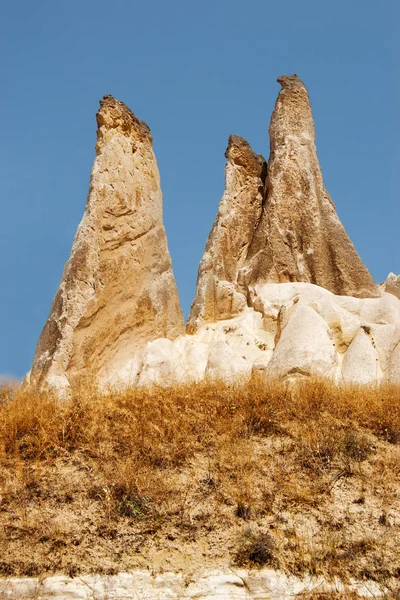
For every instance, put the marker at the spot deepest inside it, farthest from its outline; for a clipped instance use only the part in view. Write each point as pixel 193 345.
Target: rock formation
pixel 293 330
pixel 300 237
pixel 281 291
pixel 118 290
pixel 392 284
pixel 217 294
pixel 216 584
pixel 286 230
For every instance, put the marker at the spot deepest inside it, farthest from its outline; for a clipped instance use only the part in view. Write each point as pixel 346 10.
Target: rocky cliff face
pixel 117 291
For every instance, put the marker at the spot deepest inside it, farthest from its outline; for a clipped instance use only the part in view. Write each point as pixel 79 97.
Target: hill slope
pixel 302 479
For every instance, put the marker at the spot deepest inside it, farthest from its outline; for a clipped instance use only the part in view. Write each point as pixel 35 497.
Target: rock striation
pixel 118 290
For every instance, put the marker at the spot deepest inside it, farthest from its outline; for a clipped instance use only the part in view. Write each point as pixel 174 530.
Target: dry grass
pixel 303 479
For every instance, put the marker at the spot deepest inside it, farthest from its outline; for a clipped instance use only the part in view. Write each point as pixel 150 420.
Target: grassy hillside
pixel 305 479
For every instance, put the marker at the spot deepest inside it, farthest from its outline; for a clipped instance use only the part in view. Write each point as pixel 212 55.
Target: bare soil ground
pixel 304 479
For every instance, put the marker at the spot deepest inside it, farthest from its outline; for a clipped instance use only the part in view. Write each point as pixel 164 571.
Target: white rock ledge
pixel 236 584
pixel 292 330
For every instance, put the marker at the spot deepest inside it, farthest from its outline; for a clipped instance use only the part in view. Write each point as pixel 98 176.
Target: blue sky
pixel 195 72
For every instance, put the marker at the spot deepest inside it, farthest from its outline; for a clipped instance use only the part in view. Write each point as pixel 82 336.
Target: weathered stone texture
pixel 300 237
pixel 276 224
pixel 117 291
pixel 217 292
pixel 295 330
pixel 281 290
pixel 237 584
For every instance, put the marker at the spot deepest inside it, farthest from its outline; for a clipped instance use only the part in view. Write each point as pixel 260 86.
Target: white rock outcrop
pixel 233 584
pixel 292 330
pixel 392 284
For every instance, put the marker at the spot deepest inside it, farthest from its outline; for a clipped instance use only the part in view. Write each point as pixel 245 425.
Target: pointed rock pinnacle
pixel 300 236
pixel 217 293
pixel 118 290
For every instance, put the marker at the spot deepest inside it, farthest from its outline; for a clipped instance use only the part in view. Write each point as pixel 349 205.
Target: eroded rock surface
pixel 291 330
pixel 276 224
pixel 392 284
pixel 281 290
pixel 217 294
pixel 300 237
pixel 118 290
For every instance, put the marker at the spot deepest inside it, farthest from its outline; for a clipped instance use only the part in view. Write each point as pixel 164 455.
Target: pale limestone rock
pixel 392 284
pixel 384 338
pixel 232 584
pixel 305 346
pixel 225 363
pixel 361 361
pixel 217 293
pixel 381 310
pixel 117 291
pixel 167 362
pixel 295 329
pixel 343 324
pixel 161 363
pixel 275 301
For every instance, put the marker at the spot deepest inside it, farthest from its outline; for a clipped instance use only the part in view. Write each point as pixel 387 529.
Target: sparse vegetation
pixel 255 548
pixel 303 478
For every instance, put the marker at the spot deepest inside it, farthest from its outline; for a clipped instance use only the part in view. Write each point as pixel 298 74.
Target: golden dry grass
pixel 305 479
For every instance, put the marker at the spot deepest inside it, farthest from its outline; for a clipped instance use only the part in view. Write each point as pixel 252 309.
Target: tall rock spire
pixel 217 294
pixel 118 290
pixel 276 224
pixel 300 236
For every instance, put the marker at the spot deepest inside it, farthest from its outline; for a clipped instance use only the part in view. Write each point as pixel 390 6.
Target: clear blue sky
pixel 195 72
